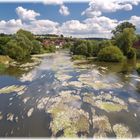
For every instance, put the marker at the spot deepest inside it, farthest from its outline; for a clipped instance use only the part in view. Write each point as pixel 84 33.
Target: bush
pixel 110 54
pixel 37 47
pixel 78 57
pixel 50 49
pixel 2 67
pixel 97 46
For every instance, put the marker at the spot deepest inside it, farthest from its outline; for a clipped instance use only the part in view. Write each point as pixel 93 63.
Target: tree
pixel 37 47
pixel 110 54
pixel 125 40
pixel 119 29
pixel 13 50
pixel 28 34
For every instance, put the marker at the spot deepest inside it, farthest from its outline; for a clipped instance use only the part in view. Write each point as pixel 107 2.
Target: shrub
pixel 78 57
pixel 2 67
pixel 37 47
pixel 110 54
pixel 50 49
pixel 97 46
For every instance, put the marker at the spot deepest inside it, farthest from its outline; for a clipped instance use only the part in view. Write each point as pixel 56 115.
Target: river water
pixel 60 97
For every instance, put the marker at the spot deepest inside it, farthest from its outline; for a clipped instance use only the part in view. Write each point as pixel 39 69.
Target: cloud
pixel 53 2
pixel 64 10
pixel 10 26
pixel 95 27
pixel 42 27
pixel 97 7
pixel 136 21
pixel 73 27
pixel 25 14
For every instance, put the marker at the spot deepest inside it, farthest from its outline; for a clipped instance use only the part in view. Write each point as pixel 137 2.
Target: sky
pixel 85 18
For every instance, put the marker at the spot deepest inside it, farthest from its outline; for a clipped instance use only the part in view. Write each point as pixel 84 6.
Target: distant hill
pixel 94 39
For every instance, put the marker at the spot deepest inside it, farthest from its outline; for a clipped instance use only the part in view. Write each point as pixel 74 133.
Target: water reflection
pixel 60 97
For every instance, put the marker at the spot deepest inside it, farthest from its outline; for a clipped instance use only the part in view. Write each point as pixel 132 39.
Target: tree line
pixel 21 45
pixel 118 48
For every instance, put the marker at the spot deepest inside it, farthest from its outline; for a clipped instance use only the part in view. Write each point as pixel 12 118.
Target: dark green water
pixel 58 89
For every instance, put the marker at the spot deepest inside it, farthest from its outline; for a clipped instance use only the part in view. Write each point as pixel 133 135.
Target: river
pixel 60 97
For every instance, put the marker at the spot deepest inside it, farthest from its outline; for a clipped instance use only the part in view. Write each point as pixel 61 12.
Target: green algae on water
pixel 13 88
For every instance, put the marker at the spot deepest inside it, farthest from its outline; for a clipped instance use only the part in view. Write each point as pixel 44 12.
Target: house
pixel 136 45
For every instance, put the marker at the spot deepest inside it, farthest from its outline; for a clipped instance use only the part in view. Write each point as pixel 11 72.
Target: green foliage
pixel 28 34
pixel 3 41
pixel 50 49
pixel 125 40
pixel 78 57
pixel 110 54
pixel 119 29
pixel 99 46
pixel 14 50
pixel 20 45
pixel 37 47
pixel 89 48
pixel 67 45
pixel 2 67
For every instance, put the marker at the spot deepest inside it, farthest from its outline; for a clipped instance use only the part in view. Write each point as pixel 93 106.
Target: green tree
pixel 14 51
pixel 110 54
pixel 119 29
pixel 125 40
pixel 37 47
pixel 28 34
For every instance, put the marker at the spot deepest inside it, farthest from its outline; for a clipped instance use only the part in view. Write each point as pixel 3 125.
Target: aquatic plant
pixel 102 124
pixel 13 88
pixel 122 131
pixel 62 77
pixel 65 118
pixel 106 101
pixel 76 84
pixel 110 106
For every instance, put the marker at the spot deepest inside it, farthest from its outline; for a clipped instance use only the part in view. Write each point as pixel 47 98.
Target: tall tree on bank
pixel 125 36
pixel 119 29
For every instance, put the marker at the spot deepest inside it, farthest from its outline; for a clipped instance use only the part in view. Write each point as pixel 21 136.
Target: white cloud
pixel 64 10
pixel 53 2
pixel 73 27
pixel 10 26
pixel 42 27
pixel 25 14
pixel 95 27
pixel 100 26
pixel 136 21
pixel 97 7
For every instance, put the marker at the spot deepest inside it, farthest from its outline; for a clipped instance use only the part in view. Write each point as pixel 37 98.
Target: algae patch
pixel 122 131
pixel 107 102
pixel 10 89
pixel 102 124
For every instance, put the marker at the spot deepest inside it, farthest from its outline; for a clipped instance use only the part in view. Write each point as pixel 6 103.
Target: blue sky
pixel 91 18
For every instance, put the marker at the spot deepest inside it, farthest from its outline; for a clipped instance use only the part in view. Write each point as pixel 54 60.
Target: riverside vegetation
pixel 118 49
pixel 62 97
